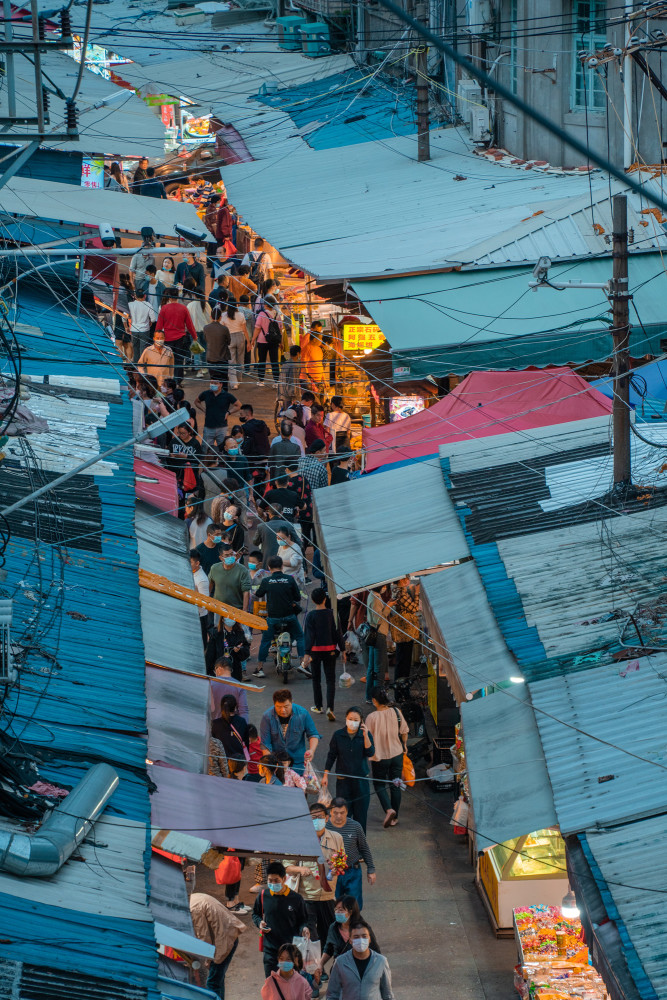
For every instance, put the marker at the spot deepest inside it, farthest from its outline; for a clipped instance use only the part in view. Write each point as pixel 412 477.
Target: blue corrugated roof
pixel 81 695
pixel 346 109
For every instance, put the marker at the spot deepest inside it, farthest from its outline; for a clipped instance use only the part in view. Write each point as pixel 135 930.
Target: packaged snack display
pixel 555 962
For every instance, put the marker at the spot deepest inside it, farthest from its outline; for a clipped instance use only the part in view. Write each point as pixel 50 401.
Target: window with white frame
pixel 588 91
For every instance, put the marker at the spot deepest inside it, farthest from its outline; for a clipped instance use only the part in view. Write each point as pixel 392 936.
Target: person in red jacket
pixel 224 223
pixel 315 428
pixel 175 322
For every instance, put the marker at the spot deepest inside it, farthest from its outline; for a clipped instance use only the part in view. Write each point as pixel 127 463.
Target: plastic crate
pixel 441 752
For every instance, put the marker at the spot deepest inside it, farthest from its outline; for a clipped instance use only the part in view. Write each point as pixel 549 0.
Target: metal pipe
pixel 628 69
pixel 39 93
pixel 46 851
pixel 9 36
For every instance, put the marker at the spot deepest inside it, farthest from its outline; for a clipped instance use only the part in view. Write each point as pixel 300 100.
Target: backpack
pixel 273 335
pixel 255 264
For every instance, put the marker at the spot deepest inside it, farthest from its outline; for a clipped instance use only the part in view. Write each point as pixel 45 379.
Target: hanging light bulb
pixel 569 907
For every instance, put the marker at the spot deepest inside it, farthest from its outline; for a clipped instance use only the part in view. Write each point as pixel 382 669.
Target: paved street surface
pixel 424 907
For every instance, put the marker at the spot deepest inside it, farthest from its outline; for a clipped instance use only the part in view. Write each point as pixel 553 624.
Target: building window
pixel 590 35
pixel 513 47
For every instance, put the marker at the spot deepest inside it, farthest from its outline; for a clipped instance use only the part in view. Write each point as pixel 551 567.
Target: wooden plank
pixel 161 585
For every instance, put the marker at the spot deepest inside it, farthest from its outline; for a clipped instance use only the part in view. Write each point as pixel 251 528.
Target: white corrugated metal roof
pixel 509 784
pixel 457 611
pixel 111 120
pixel 110 880
pixel 603 733
pixel 364 539
pixel 35 199
pixel 221 76
pixel 375 210
pixel 633 861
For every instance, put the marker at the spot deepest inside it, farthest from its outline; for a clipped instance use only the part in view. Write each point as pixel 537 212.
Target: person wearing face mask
pixel 231 639
pixel 350 750
pixel 235 464
pixel 280 914
pixel 316 881
pixel 158 360
pixel 361 973
pixel 338 938
pixel 357 850
pixel 232 529
pixel 229 580
pixel 217 406
pixel 287 983
pixel 209 549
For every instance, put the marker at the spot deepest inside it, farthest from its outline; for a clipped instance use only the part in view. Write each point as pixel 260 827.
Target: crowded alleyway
pixel 424 908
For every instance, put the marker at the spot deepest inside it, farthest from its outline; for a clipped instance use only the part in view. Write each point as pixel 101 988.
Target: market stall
pixel 554 961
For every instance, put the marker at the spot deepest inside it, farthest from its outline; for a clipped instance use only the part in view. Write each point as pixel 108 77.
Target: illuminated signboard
pixel 361 337
pixel 401 407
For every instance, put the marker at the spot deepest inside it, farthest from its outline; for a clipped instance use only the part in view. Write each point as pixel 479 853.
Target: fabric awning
pixel 483 404
pixel 464 630
pixel 367 539
pixel 178 713
pixel 509 783
pixel 461 321
pixel 265 818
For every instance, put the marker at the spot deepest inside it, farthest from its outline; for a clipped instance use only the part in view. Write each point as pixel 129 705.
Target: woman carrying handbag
pixel 390 734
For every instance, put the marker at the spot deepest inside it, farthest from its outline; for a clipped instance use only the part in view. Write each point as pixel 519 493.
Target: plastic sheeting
pixel 269 819
pixel 178 712
pixel 486 403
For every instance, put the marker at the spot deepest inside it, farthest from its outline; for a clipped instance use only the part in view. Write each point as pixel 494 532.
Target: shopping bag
pixel 311 952
pixel 408 773
pixel 312 781
pixel 292 882
pixel 460 815
pixel 345 680
pixel 196 348
pixel 228 871
pixel 325 797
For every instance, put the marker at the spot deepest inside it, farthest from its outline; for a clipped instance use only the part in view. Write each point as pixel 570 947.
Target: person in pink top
pixel 268 338
pixel 286 983
pixel 175 322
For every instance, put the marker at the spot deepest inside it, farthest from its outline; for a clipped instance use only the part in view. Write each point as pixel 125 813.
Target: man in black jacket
pixel 256 444
pixel 282 605
pixel 280 915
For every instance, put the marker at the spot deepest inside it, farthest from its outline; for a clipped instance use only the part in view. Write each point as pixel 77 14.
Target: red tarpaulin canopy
pixel 486 403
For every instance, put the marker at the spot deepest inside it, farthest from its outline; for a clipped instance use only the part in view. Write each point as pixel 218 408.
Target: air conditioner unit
pixel 289 32
pixel 469 96
pixel 7 671
pixel 316 40
pixel 479 123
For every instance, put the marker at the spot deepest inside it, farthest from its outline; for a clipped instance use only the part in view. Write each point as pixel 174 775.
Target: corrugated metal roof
pixel 464 630
pixel 169 895
pixel 454 209
pixel 21 981
pixel 111 120
pixel 362 536
pixel 631 864
pixel 36 199
pixel 503 754
pixel 82 694
pixel 461 321
pixel 612 738
pixel 348 108
pixel 223 78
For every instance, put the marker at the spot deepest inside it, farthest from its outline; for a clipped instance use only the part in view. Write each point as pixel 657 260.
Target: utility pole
pixel 421 67
pixel 620 299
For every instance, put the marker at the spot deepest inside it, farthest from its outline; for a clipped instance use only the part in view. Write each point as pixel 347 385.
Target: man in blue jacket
pixel 289 727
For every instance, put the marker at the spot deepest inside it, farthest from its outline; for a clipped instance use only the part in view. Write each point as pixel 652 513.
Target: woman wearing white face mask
pixel 349 750
pixel 360 974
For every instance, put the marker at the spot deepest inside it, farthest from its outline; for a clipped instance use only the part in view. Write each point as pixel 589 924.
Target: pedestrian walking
pixel 350 749
pixel 283 449
pixel 339 424
pixel 157 359
pixel 375 642
pixel 219 688
pixel 286 983
pixel 267 337
pixel 315 429
pixel 290 385
pixel 317 882
pixel 217 405
pixel 404 625
pixel 218 339
pixel 201 586
pixel 289 727
pixel 141 320
pixel 212 922
pixel 280 914
pixel 209 549
pixel 390 734
pixel 175 322
pixel 351 882
pixel 323 643
pixel 360 974
pixel 190 267
pixel 229 580
pixel 313 465
pixel 235 322
pixel 346 912
pixel 152 187
pixel 235 464
pixel 140 261
pixel 290 552
pixel 261 265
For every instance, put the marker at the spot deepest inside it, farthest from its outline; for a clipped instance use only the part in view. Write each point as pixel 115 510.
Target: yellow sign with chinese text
pixel 361 336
